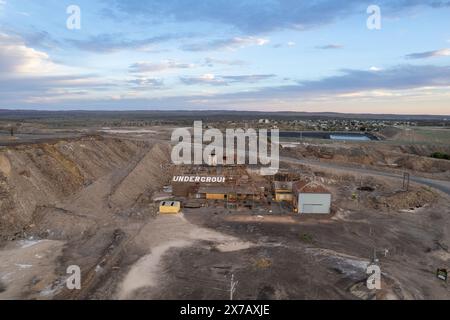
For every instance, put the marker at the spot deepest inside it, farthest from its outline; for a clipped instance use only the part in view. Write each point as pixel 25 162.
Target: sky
pixel 260 55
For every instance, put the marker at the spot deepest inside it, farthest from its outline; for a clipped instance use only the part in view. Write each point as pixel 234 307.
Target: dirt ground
pixel 386 155
pixel 305 257
pixel 90 202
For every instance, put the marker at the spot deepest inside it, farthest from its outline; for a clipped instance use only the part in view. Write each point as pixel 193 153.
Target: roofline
pixel 316 192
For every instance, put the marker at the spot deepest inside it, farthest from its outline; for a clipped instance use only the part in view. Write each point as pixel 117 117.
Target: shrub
pixel 307 238
pixel 440 155
pixel 263 263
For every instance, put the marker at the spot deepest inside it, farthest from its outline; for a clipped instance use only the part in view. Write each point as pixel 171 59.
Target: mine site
pixel 100 191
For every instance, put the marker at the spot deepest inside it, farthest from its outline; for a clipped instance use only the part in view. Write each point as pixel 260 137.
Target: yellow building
pixel 169 207
pixel 215 196
pixel 214 192
pixel 229 193
pixel 283 191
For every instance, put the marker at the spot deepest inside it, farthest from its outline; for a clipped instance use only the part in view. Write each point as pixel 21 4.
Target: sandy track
pixel 178 233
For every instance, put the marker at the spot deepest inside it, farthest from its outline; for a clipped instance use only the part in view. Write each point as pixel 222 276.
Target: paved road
pixel 441 185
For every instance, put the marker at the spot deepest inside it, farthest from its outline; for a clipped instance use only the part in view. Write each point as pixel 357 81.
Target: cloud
pixel 281 45
pixel 401 77
pixel 44 90
pixel 41 84
pixel 210 62
pixel 415 83
pixel 396 78
pixel 148 67
pixel 248 78
pixel 228 44
pixel 115 42
pixel 429 54
pixel 17 57
pixel 259 16
pixel 440 4
pixel 40 39
pixel 27 74
pixel 146 83
pixel 55 91
pixel 211 79
pixel 330 47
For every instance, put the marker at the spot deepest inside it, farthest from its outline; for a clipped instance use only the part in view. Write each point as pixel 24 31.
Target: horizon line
pixel 225 110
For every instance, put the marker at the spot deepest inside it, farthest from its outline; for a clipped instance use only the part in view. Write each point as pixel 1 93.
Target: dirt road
pixel 178 233
pixel 440 185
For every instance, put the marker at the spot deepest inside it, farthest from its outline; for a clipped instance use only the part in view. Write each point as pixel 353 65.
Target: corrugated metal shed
pixel 309 187
pixel 311 198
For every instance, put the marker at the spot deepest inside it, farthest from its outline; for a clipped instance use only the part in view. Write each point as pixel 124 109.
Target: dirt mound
pixel 33 176
pixel 59 224
pixel 424 150
pixel 424 164
pixel 411 157
pixel 401 200
pixel 356 154
pixel 389 132
pixel 146 177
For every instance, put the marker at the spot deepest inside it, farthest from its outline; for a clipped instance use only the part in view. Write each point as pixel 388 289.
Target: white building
pixel 312 198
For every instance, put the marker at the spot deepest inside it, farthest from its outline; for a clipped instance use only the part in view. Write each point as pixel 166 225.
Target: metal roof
pixel 227 189
pixel 309 187
pixel 282 185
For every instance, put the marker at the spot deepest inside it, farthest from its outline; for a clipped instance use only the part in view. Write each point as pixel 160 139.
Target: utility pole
pixel 375 259
pixel 359 190
pixel 406 181
pixel 233 285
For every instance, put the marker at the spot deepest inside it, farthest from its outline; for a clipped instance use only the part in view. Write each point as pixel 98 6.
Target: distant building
pixel 312 198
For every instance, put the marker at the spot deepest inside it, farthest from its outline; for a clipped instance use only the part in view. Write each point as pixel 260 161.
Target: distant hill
pixel 206 114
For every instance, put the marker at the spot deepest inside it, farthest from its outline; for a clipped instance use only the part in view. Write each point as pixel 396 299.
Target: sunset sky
pixel 264 55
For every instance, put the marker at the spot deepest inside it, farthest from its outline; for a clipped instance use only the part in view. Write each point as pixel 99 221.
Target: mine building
pixel 311 198
pixel 233 185
pixel 167 207
pixel 283 191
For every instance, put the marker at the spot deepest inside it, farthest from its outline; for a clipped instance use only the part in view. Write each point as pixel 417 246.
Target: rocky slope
pixel 35 176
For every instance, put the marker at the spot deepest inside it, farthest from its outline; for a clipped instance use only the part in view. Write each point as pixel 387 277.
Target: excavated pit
pixel 76 195
pixel 36 179
pixel 90 202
